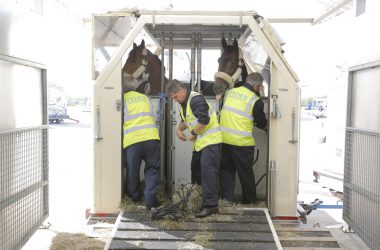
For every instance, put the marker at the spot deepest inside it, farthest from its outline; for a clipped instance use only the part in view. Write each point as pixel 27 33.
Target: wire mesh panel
pixel 361 208
pixel 23 184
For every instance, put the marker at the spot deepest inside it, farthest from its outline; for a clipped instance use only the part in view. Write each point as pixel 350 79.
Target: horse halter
pixel 232 79
pixel 140 73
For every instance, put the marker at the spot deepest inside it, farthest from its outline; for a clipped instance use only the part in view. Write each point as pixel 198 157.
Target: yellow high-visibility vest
pixel 210 134
pixel 236 121
pixel 139 123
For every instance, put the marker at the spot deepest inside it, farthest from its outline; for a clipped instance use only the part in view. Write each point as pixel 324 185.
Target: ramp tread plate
pixel 196 226
pixel 169 245
pixel 306 238
pixel 246 230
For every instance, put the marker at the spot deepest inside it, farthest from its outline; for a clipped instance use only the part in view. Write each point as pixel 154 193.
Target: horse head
pixel 231 66
pixel 145 67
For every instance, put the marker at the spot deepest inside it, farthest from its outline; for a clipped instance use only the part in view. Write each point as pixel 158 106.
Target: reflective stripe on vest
pixel 131 117
pixel 209 131
pixel 135 128
pixel 139 123
pixel 236 120
pixel 236 111
pixel 210 134
pixel 236 132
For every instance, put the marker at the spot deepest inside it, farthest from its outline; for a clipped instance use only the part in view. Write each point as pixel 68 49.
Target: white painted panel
pixel 365 99
pixel 181 155
pixel 20 96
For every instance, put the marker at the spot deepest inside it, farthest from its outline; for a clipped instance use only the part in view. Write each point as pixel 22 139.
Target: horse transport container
pixel 114 34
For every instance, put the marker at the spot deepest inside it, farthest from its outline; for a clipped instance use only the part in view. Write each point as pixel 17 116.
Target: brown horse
pixel 231 67
pixel 145 67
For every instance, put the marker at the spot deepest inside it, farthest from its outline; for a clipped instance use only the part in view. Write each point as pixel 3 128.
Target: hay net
pixel 186 201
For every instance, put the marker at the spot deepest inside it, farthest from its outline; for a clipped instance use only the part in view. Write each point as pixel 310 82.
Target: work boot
pixel 156 204
pixel 206 211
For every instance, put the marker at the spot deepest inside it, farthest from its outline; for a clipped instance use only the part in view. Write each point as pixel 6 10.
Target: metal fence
pixel 361 208
pixel 23 184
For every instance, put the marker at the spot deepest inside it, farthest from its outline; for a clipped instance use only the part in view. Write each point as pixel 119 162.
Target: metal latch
pixel 98 136
pixel 293 141
pixel 118 105
pixel 276 107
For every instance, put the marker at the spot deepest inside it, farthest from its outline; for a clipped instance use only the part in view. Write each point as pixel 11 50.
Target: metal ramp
pixel 248 229
pixel 304 236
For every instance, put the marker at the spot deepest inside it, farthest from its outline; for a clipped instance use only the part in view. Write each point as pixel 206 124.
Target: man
pixel 242 110
pixel 140 142
pixel 202 123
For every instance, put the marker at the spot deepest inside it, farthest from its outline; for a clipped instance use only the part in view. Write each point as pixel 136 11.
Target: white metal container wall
pixel 283 155
pixel 108 143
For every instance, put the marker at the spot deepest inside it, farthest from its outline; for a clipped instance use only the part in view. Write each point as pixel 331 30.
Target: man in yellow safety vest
pixel 201 121
pixel 242 110
pixel 141 142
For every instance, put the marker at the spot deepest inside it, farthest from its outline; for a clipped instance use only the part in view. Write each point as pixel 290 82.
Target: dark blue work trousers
pixel 205 166
pixel 134 154
pixel 237 159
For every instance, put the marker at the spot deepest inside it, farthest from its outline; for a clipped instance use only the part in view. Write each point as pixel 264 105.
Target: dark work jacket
pixel 199 107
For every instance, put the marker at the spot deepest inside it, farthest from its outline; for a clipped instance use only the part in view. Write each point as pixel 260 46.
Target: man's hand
pixel 181 135
pixel 191 137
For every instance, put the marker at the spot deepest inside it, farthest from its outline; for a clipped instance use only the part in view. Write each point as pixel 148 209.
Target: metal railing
pixel 23 184
pixel 361 209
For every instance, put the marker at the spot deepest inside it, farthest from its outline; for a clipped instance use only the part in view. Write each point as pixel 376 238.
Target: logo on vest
pixel 136 99
pixel 238 96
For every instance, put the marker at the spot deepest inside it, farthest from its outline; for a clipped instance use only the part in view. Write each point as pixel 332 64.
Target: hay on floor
pixel 78 241
pixel 128 205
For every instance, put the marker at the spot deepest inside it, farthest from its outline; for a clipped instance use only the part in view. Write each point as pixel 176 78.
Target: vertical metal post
pixel 170 145
pixel 162 113
pixel 44 97
pixel 199 61
pixel 170 56
pixel 45 145
pixel 192 80
pixel 272 187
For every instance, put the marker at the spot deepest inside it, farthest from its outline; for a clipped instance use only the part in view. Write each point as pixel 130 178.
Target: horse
pixel 145 67
pixel 231 67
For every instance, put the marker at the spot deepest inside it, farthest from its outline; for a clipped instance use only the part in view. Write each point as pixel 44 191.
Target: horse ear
pixel 134 45
pixel 235 44
pixel 224 43
pixel 142 43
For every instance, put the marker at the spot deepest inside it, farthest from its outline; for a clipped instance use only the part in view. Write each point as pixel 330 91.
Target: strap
pixel 164 97
pixel 225 77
